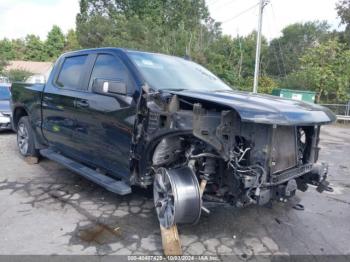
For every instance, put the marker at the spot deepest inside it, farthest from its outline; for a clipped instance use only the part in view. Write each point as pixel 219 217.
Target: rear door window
pixel 71 72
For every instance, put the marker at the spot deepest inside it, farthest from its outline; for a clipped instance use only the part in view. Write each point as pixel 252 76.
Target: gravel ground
pixel 46 210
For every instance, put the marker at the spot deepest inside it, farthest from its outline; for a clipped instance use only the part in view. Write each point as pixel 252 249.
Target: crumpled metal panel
pixel 266 109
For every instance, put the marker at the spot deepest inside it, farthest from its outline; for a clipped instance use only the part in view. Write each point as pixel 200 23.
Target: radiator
pixel 284 149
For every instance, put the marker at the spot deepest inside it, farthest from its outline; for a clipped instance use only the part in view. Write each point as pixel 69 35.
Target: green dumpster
pixel 300 95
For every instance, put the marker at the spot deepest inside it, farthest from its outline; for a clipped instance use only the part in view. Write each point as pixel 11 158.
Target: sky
pixel 277 14
pixel 21 17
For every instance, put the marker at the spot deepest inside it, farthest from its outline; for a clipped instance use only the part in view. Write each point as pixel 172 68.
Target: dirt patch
pixel 100 234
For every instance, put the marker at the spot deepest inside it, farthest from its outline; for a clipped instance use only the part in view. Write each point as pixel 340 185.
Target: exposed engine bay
pixel 194 152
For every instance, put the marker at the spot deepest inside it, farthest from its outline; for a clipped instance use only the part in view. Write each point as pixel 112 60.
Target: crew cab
pixel 124 118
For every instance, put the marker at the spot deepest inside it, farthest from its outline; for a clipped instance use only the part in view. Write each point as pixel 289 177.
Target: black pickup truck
pixel 125 118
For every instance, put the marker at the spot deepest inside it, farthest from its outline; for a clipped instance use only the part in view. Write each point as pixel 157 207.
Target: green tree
pixel 7 51
pixel 185 28
pixel 11 50
pixel 55 42
pixel 284 52
pixel 18 47
pixel 17 75
pixel 324 69
pixel 171 26
pixel 3 64
pixel 94 31
pixel 233 59
pixel 343 10
pixel 71 41
pixel 34 49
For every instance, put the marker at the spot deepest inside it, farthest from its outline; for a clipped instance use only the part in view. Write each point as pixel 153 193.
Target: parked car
pixel 154 120
pixel 36 79
pixel 4 80
pixel 5 109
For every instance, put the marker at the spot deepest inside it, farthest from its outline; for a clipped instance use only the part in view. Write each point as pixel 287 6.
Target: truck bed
pixel 28 96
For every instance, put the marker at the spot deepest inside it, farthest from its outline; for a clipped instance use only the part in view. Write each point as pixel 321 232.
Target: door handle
pixel 82 103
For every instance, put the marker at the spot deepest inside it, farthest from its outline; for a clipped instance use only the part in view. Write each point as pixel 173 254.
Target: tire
pixel 25 138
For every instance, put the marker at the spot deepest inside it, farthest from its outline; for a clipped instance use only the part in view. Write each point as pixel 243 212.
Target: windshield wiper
pixel 173 89
pixel 224 90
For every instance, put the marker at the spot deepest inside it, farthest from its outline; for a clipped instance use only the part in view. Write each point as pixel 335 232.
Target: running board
pixel 112 185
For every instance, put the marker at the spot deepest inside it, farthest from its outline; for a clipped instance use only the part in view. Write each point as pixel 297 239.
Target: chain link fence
pixel 341 110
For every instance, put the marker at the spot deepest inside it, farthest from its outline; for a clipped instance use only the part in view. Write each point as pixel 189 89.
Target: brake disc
pixel 176 196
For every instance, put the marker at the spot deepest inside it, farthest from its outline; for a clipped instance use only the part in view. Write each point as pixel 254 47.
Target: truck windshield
pixel 4 93
pixel 164 72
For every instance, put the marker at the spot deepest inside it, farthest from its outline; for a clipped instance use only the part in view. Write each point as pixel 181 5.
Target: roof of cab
pixel 94 50
pixel 107 49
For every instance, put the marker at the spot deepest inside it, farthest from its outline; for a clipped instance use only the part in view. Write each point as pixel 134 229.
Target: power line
pixel 279 43
pixel 275 51
pixel 208 2
pixel 241 55
pixel 223 4
pixel 213 3
pixel 277 60
pixel 241 13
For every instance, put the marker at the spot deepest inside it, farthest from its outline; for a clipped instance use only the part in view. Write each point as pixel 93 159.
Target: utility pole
pixel 258 45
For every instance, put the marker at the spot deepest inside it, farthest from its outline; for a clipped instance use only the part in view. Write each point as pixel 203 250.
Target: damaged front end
pixel 196 150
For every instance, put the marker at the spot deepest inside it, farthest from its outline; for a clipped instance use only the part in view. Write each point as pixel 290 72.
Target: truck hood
pixel 265 109
pixel 5 106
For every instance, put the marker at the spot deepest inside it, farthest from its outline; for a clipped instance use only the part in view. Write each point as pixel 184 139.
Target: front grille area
pixel 284 149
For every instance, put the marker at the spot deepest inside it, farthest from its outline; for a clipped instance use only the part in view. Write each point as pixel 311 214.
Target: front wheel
pixel 177 196
pixel 25 138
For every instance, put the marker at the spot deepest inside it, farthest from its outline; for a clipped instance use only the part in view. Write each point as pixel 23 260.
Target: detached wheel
pixel 25 138
pixel 176 196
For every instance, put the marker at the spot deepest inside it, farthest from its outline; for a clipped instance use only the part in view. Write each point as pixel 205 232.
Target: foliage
pixel 299 59
pixel 326 70
pixel 71 42
pixel 19 49
pixel 3 63
pixel 232 59
pixel 11 49
pixel 343 10
pixel 34 49
pixel 284 52
pixel 6 49
pixel 174 27
pixel 17 75
pixel 5 53
pixel 266 84
pixel 55 43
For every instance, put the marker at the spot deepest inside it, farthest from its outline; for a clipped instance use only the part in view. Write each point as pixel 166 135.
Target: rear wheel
pixel 25 138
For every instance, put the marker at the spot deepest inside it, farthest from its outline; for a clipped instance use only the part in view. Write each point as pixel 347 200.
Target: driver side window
pixel 109 67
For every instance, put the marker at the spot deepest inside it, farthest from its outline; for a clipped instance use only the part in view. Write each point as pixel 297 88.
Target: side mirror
pixel 109 87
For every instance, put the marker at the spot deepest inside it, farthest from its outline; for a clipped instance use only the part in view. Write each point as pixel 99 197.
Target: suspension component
pixel 209 170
